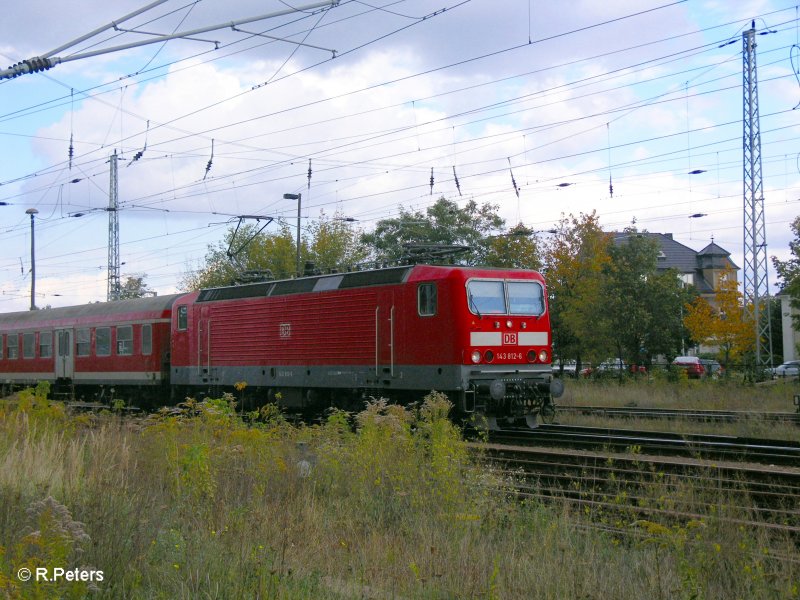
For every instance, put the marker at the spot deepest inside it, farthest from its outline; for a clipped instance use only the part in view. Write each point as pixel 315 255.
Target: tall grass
pixel 705 394
pixel 203 505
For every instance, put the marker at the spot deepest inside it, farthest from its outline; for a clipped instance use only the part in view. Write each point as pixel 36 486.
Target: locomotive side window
pixel 28 347
pixel 12 342
pixel 183 317
pixel 486 297
pixel 525 298
pixel 102 341
pixel 83 344
pixel 426 299
pixel 147 339
pixel 45 344
pixel 124 340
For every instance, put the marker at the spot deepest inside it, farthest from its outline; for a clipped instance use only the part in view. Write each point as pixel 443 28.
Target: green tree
pixel 335 244
pixel 641 307
pixel 443 223
pixel 245 251
pixel 134 287
pixel 575 257
pixel 520 248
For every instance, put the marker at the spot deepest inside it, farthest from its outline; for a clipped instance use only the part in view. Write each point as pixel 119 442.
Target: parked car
pixel 608 367
pixel 570 369
pixel 691 364
pixel 790 368
pixel 713 368
pixel 612 364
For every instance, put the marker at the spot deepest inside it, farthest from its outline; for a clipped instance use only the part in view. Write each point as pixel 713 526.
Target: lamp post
pixel 296 197
pixel 33 212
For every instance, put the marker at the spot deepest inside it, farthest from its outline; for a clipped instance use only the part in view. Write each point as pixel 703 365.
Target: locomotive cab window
pixel 525 298
pixel 12 346
pixel 183 317
pixel 427 299
pixel 102 341
pixel 45 344
pixel 124 340
pixel 83 343
pixel 28 346
pixel 491 297
pixel 486 297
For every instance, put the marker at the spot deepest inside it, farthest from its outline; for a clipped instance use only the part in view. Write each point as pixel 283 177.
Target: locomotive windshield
pixel 486 297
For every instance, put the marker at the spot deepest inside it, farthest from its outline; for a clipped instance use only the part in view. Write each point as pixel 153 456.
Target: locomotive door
pixel 385 334
pixel 65 358
pixel 204 344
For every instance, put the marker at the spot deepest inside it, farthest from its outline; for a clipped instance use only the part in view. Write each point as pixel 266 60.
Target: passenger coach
pixel 123 343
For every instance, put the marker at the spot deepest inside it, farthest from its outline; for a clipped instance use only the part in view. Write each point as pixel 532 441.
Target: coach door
pixel 65 356
pixel 385 331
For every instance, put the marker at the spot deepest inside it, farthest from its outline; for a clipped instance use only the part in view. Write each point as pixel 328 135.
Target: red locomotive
pixel 482 336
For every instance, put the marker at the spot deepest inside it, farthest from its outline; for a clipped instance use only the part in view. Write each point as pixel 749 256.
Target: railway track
pixel 615 486
pixel 710 416
pixel 724 447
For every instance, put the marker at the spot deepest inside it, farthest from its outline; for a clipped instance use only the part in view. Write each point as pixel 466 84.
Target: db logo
pixel 510 339
pixel 286 330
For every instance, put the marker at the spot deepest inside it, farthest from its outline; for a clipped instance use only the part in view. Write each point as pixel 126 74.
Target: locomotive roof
pixel 317 283
pixel 336 281
pixel 120 307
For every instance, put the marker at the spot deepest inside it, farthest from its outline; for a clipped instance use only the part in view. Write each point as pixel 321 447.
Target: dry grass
pixel 775 396
pixel 204 506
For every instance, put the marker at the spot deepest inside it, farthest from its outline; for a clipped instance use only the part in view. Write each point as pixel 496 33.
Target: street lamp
pixel 296 197
pixel 32 212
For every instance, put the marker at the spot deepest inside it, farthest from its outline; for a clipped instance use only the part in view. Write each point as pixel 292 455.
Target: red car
pixel 692 365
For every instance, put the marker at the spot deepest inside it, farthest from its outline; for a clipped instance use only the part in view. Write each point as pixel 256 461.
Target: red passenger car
pixel 480 335
pixel 94 346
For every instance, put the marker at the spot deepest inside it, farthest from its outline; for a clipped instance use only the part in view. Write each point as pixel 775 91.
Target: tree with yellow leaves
pixel 722 324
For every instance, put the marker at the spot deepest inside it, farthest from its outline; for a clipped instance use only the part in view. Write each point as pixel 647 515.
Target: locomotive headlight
pixel 531 355
pixel 542 355
pixel 509 323
pixel 476 356
pixel 489 356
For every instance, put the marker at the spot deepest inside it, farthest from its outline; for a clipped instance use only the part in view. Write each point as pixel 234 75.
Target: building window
pixel 147 339
pixel 183 317
pixel 28 345
pixel 83 342
pixel 125 340
pixel 687 278
pixel 102 341
pixel 45 344
pixel 12 346
pixel 426 299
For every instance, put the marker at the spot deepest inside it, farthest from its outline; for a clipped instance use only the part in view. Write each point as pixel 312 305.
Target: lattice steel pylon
pixel 755 272
pixel 113 232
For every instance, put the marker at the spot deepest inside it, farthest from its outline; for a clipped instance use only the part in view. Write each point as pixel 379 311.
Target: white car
pixel 790 368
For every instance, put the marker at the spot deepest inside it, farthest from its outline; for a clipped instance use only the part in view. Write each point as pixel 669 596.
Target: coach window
pixel 45 344
pixel 83 342
pixel 124 340
pixel 12 345
pixel 183 317
pixel 28 346
pixel 102 341
pixel 147 339
pixel 426 299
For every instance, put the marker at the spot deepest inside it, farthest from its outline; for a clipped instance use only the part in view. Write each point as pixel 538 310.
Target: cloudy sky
pixel 377 94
